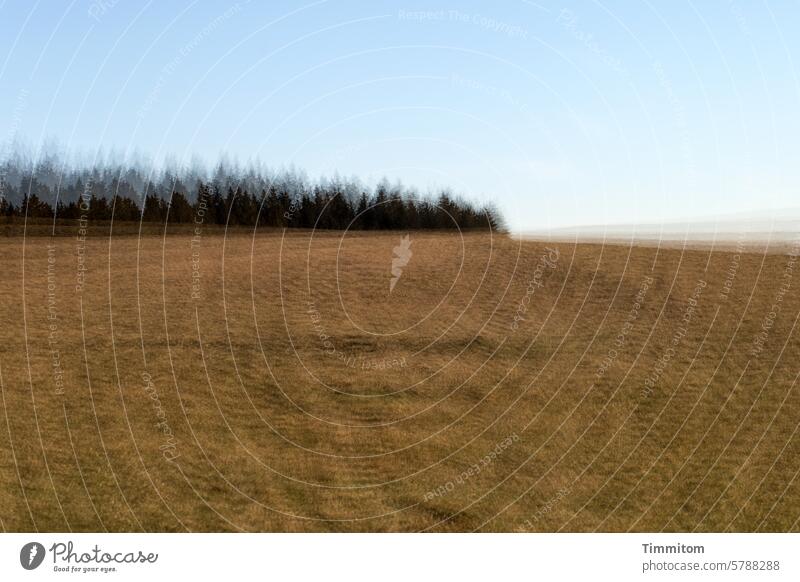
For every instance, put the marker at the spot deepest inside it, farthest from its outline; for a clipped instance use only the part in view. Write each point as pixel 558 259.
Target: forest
pixel 233 197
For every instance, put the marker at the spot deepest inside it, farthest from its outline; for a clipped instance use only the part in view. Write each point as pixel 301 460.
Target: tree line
pixel 230 197
pixel 323 209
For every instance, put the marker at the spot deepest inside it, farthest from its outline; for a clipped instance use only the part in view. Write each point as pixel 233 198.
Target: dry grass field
pixel 274 383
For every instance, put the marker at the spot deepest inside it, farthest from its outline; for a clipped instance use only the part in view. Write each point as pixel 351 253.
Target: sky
pixel 560 113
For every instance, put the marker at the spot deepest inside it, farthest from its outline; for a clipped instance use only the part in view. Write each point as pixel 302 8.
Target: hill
pixel 281 382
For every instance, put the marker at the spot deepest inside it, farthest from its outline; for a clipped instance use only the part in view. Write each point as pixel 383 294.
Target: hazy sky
pixel 562 113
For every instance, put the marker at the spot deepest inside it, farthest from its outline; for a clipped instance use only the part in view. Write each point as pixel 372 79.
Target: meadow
pixel 270 380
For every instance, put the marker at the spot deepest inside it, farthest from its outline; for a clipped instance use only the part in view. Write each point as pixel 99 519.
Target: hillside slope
pixel 276 383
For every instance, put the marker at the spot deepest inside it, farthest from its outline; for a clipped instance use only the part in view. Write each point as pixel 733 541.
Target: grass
pixel 276 385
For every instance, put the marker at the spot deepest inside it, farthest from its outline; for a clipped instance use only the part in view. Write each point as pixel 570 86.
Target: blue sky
pixel 562 114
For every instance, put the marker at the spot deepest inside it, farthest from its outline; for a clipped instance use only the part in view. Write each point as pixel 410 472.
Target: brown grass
pixel 275 430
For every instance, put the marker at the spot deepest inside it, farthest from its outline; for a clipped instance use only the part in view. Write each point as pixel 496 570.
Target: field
pixel 272 382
